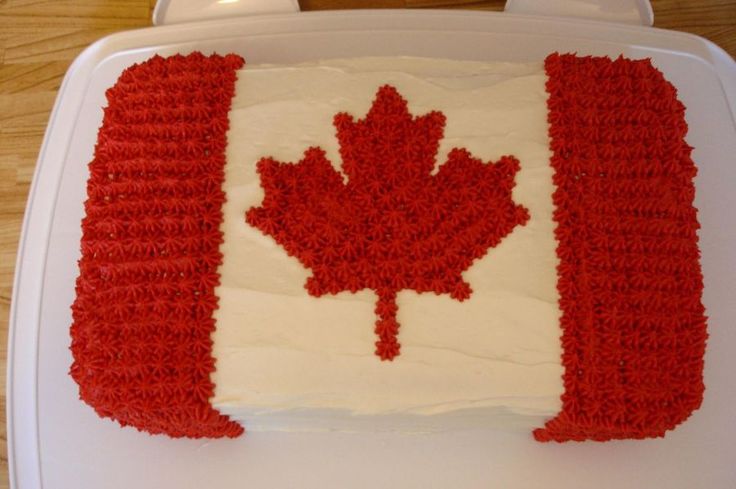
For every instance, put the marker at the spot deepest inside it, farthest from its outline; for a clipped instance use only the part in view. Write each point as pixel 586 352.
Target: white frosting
pixel 287 360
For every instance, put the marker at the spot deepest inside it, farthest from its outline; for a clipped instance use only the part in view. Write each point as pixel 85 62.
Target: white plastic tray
pixel 56 441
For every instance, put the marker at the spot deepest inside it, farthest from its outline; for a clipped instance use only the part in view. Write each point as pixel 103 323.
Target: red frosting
pixel 150 248
pixel 393 225
pixel 633 326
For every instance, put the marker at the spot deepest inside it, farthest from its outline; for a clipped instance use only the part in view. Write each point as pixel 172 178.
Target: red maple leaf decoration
pixel 394 225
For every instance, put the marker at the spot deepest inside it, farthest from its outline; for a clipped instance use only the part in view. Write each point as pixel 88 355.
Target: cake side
pixel 142 318
pixel 630 283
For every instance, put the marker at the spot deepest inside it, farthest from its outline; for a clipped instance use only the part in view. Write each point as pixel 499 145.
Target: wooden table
pixel 40 38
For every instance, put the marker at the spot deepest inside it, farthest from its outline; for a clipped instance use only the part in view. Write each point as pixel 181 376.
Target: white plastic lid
pixel 180 11
pixel 624 11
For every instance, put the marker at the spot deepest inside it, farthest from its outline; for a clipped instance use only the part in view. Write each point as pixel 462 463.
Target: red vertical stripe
pixel 150 248
pixel 633 326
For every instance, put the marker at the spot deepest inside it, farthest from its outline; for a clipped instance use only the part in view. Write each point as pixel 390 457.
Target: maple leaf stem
pixel 387 328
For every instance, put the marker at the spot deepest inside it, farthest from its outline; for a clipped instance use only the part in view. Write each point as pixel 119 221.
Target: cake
pixel 403 244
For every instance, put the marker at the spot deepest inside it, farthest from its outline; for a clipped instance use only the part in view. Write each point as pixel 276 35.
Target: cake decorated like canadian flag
pixel 404 244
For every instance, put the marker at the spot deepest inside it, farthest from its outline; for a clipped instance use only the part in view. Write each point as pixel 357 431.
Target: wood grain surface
pixel 40 38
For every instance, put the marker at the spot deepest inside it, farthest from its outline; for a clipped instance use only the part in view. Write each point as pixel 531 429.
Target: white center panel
pixel 290 361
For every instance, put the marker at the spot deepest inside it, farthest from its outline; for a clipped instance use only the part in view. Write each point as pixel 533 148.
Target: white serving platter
pixel 56 441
